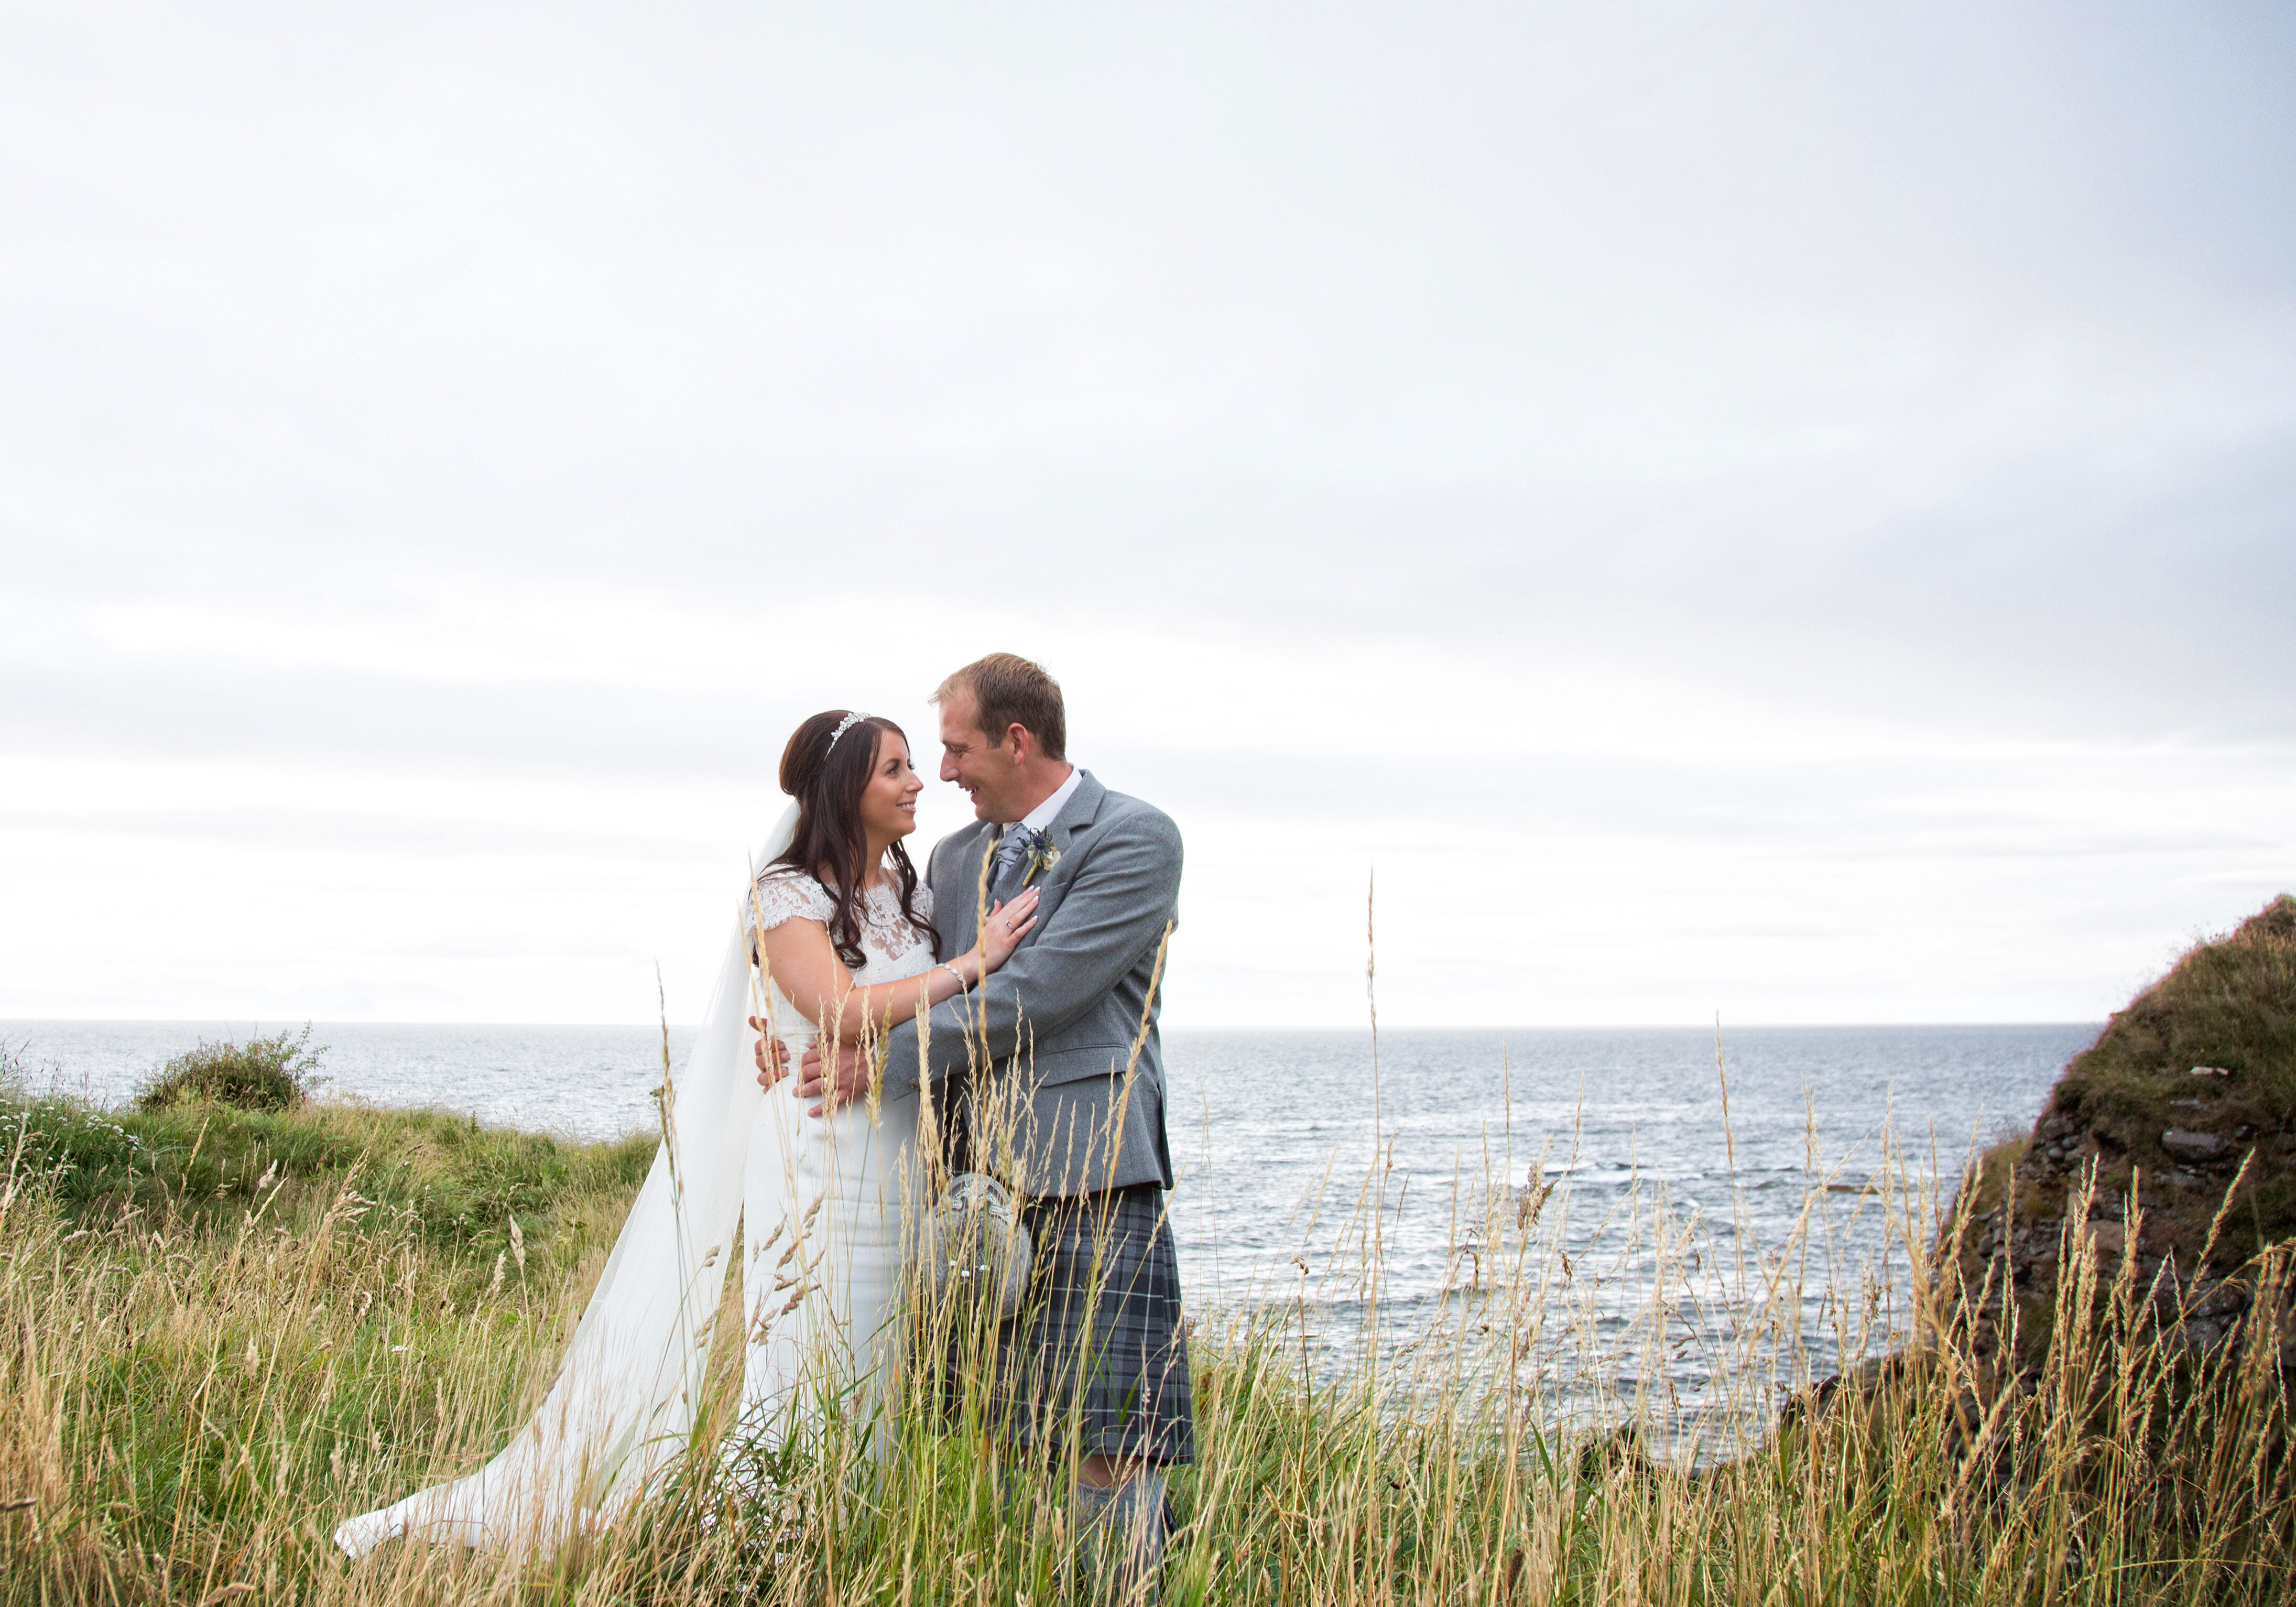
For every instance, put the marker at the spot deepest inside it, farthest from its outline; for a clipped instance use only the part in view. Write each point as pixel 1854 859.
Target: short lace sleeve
pixel 788 895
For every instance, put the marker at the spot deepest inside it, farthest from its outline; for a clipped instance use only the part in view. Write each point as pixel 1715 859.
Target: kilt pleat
pixel 1096 1360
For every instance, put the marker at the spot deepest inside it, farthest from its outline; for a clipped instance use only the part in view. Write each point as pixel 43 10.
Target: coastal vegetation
pixel 280 1072
pixel 2173 1136
pixel 226 1324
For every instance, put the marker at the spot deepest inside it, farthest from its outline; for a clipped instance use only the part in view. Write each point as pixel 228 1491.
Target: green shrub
pixel 274 1073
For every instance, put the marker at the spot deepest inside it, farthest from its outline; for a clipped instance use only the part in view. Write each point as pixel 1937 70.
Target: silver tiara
pixel 843 725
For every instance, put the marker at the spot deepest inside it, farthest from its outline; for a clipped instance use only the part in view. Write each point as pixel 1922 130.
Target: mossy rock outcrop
pixel 2109 1322
pixel 2169 1144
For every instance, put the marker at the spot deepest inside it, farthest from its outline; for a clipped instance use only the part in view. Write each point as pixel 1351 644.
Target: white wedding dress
pixel 824 1295
pixel 824 1205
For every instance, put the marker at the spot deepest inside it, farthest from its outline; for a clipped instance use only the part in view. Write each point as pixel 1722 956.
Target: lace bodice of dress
pixel 891 947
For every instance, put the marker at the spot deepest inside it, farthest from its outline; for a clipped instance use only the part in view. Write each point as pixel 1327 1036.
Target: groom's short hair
pixel 1008 691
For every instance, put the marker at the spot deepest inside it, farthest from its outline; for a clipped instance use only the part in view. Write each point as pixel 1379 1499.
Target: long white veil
pixel 622 1410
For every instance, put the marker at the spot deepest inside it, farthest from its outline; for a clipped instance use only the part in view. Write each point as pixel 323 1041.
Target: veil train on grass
pixel 622 1406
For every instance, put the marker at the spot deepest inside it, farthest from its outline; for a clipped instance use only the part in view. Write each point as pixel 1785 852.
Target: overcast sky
pixel 1787 510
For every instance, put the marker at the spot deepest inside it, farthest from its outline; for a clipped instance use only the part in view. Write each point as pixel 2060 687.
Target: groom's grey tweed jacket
pixel 1058 1017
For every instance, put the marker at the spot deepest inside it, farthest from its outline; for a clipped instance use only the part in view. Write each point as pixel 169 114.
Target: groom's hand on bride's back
pixel 772 1056
pixel 850 1082
pixel 772 1059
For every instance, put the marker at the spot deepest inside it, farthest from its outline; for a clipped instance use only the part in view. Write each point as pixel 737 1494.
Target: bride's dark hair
pixel 827 780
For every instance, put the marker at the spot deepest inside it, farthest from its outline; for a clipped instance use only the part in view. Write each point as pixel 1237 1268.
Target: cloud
pixel 1636 474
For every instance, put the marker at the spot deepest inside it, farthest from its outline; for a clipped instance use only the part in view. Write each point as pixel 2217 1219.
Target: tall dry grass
pixel 196 1385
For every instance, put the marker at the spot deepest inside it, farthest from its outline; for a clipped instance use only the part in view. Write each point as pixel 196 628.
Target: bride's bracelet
pixel 954 971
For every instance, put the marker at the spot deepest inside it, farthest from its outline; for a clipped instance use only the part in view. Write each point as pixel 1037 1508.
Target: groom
pixel 1099 1344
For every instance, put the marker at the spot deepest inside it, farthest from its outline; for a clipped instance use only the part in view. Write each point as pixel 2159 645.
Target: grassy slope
pixel 214 1311
pixel 448 1180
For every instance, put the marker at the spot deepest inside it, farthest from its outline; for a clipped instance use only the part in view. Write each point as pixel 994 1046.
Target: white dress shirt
pixel 1040 818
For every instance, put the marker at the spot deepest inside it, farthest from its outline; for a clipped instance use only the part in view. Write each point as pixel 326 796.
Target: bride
pixel 834 936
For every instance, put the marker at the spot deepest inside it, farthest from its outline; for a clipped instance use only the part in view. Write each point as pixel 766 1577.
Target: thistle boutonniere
pixel 1042 857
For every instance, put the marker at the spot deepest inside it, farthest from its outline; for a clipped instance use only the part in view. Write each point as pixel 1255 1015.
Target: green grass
pixel 218 1317
pixel 222 1331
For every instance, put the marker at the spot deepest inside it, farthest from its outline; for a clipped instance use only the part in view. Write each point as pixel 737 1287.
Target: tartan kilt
pixel 1095 1360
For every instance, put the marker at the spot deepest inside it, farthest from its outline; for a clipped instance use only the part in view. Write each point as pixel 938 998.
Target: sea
pixel 1699 1220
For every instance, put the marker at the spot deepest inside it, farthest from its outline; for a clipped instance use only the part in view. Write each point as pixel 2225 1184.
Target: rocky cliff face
pixel 2170 1145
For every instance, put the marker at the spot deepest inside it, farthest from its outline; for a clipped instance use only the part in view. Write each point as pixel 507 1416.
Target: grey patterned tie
pixel 1004 870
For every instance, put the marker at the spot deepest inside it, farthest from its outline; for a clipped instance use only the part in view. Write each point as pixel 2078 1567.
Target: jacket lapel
pixel 1082 809
pixel 1074 821
pixel 956 887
